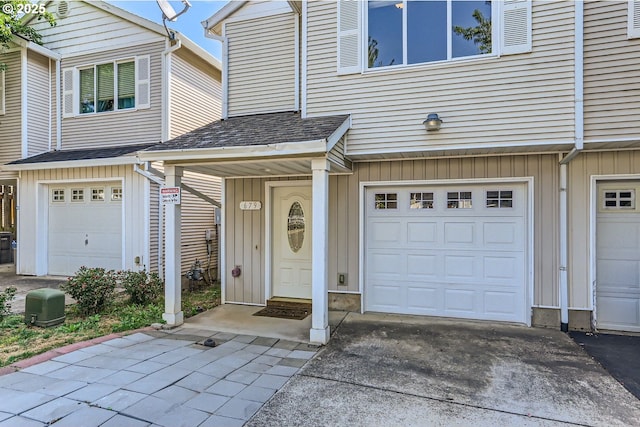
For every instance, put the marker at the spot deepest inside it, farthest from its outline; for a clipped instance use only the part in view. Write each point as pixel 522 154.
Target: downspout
pixel 225 67
pixel 151 177
pixel 166 92
pixel 564 161
pixel 58 106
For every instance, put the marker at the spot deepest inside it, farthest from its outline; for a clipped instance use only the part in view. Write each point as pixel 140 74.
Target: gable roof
pixel 232 7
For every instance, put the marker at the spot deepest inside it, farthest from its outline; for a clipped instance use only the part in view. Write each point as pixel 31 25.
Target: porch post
pixel 319 252
pixel 172 278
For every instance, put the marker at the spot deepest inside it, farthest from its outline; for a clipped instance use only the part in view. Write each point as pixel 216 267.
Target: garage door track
pixel 390 370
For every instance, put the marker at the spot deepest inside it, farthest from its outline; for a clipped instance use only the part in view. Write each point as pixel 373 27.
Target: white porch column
pixel 172 237
pixel 319 252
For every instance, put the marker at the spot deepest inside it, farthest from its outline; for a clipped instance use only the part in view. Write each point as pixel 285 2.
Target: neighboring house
pixel 104 85
pixel 516 203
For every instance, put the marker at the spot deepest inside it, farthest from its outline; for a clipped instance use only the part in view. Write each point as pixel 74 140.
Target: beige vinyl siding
pixel 32 222
pixel 88 28
pixel 198 216
pixel 245 230
pixel 611 73
pixel 515 99
pixel 581 169
pixel 196 93
pixel 39 101
pixel 261 65
pixel 10 122
pixel 124 127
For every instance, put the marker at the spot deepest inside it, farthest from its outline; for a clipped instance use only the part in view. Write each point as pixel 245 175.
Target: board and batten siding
pixel 88 28
pixel 116 128
pixel 579 202
pixel 39 103
pixel 196 93
pixel 245 230
pixel 611 73
pixel 261 65
pixel 11 121
pixel 30 243
pixel 514 99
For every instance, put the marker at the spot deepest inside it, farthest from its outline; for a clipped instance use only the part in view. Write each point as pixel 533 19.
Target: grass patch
pixel 19 341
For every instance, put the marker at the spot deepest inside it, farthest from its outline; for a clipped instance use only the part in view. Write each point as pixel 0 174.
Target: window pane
pixel 126 85
pixel 471 21
pixel 87 101
pixel 385 33
pixel 105 87
pixel 426 31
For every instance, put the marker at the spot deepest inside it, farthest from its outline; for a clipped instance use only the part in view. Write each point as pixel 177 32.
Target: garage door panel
pixel 617 235
pixel 618 273
pixel 467 263
pixel 619 312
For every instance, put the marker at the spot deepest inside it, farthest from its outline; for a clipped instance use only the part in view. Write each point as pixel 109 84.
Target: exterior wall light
pixel 432 122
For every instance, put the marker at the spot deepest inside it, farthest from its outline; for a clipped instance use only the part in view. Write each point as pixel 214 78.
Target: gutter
pixel 564 161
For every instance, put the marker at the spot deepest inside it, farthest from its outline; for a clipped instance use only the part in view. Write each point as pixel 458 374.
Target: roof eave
pixel 112 161
pixel 222 14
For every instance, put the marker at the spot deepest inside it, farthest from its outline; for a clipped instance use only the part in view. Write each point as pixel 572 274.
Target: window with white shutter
pixel 349 36
pixel 68 99
pixel 633 26
pixel 516 27
pixel 2 93
pixel 143 82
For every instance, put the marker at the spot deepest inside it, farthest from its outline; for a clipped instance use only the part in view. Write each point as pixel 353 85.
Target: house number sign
pixel 250 205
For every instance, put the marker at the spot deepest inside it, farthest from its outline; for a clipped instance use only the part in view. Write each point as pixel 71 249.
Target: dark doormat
pixel 618 354
pixel 284 312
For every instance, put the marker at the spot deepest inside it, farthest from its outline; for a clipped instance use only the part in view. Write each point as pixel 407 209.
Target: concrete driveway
pixel 381 370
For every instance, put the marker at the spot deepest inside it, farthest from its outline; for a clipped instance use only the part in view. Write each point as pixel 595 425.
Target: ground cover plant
pixel 120 313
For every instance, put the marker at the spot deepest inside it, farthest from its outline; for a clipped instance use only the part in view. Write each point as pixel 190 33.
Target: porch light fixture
pixel 432 122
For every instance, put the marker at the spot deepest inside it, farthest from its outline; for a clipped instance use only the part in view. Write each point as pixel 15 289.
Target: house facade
pixel 469 160
pixel 104 85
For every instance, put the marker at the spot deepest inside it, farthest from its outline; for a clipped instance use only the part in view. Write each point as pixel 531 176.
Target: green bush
pixel 142 287
pixel 92 288
pixel 5 301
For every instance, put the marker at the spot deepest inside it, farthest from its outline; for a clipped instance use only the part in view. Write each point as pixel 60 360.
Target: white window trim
pixel 496 11
pixel 74 92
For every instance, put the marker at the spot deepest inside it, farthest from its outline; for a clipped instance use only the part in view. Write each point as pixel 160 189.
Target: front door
pixel 291 242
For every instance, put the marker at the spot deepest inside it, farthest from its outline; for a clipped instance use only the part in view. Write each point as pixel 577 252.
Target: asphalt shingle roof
pixel 260 129
pixel 82 154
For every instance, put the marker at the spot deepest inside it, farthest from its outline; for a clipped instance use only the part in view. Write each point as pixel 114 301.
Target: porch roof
pixel 79 158
pixel 261 144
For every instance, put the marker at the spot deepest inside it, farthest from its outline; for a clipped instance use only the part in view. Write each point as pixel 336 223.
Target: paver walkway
pixel 153 378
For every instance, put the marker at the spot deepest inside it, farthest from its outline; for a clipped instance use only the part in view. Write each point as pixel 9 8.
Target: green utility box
pixel 44 307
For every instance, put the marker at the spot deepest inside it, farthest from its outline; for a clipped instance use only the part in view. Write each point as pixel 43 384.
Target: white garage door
pixel 454 251
pixel 618 258
pixel 85 227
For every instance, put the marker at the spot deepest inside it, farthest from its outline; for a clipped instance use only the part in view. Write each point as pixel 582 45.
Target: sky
pixel 188 24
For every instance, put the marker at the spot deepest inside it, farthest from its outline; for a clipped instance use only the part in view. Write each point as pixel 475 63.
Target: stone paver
pixel 151 379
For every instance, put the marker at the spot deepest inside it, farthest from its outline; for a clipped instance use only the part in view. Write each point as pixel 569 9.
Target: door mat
pixel 284 312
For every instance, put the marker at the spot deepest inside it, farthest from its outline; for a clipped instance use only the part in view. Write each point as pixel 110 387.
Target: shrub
pixel 142 287
pixel 92 288
pixel 6 297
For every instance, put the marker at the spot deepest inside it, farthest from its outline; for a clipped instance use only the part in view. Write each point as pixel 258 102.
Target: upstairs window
pixel 112 86
pixel 107 87
pixel 404 32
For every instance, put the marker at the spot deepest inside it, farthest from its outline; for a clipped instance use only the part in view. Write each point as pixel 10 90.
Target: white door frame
pixel 42 218
pixel 529 246
pixel 593 212
pixel 268 255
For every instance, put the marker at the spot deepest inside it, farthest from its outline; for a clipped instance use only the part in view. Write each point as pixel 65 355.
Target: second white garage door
pixel 85 227
pixel 451 251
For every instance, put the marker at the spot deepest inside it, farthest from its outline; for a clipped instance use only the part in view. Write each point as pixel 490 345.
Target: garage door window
pixel 116 194
pixel 459 200
pixel 58 195
pixel 421 201
pixel 386 201
pixel 77 195
pixel 97 194
pixel 500 199
pixel 619 199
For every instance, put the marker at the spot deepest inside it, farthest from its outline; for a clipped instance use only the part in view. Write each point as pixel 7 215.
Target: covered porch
pixel 275 216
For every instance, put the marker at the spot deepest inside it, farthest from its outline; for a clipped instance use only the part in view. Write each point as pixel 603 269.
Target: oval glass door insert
pixel 295 227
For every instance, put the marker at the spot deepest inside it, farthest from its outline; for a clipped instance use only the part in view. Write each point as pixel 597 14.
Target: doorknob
pixel 86 239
